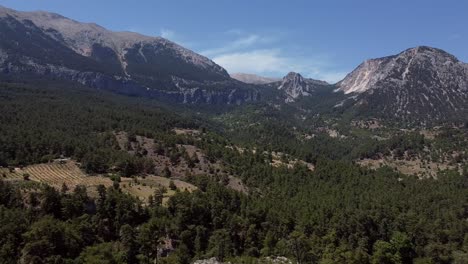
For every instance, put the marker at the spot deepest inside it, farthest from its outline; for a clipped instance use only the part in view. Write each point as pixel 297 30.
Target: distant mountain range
pixel 253 79
pixel 421 83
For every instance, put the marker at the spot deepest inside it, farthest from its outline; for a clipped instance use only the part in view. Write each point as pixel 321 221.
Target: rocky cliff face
pixel 52 46
pixel 295 86
pixel 419 83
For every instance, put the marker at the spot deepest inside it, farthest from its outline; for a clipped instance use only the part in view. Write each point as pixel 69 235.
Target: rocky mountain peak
pixel 293 76
pixel 431 59
pixel 428 51
pixel 404 67
pixel 295 86
pixel 421 81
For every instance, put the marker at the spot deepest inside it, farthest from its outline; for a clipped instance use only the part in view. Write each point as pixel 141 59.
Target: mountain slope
pixel 52 46
pixel 422 84
pixel 419 84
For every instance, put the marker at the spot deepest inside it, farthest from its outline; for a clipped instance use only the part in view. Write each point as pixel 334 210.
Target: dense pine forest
pixel 309 198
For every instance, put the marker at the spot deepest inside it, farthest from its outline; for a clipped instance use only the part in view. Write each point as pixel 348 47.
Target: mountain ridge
pixel 125 62
pixel 421 83
pixel 82 36
pixel 373 64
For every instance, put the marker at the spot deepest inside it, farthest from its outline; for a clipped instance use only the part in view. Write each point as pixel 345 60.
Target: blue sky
pixel 320 39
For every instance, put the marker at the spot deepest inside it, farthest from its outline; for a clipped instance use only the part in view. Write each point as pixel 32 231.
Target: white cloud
pixel 168 34
pixel 176 37
pixel 255 61
pixel 237 44
pixel 271 62
pixel 258 54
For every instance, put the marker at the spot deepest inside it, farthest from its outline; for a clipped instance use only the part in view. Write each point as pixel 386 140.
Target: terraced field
pixel 55 174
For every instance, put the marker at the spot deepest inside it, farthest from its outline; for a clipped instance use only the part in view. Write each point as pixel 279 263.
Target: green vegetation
pixel 38 125
pixel 338 213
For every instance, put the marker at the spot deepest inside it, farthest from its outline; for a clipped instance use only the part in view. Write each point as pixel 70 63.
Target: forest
pixel 339 212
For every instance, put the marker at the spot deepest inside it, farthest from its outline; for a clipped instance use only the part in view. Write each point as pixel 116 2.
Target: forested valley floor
pixel 92 177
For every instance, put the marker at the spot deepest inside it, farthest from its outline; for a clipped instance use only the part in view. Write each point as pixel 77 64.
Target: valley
pixel 243 169
pixel 116 147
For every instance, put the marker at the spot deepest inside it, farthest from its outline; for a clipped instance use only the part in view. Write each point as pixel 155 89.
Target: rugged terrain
pixel 294 86
pixel 421 83
pixel 417 86
pixel 52 46
pixel 195 166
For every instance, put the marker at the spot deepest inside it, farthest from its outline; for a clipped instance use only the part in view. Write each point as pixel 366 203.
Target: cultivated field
pixel 55 174
pixel 58 173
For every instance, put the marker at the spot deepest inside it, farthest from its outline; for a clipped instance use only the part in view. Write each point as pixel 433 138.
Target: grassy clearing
pixel 143 187
pixel 409 167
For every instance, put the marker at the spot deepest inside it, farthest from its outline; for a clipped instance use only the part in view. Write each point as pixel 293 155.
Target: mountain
pixel 253 78
pixel 48 45
pixel 422 84
pixel 295 86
